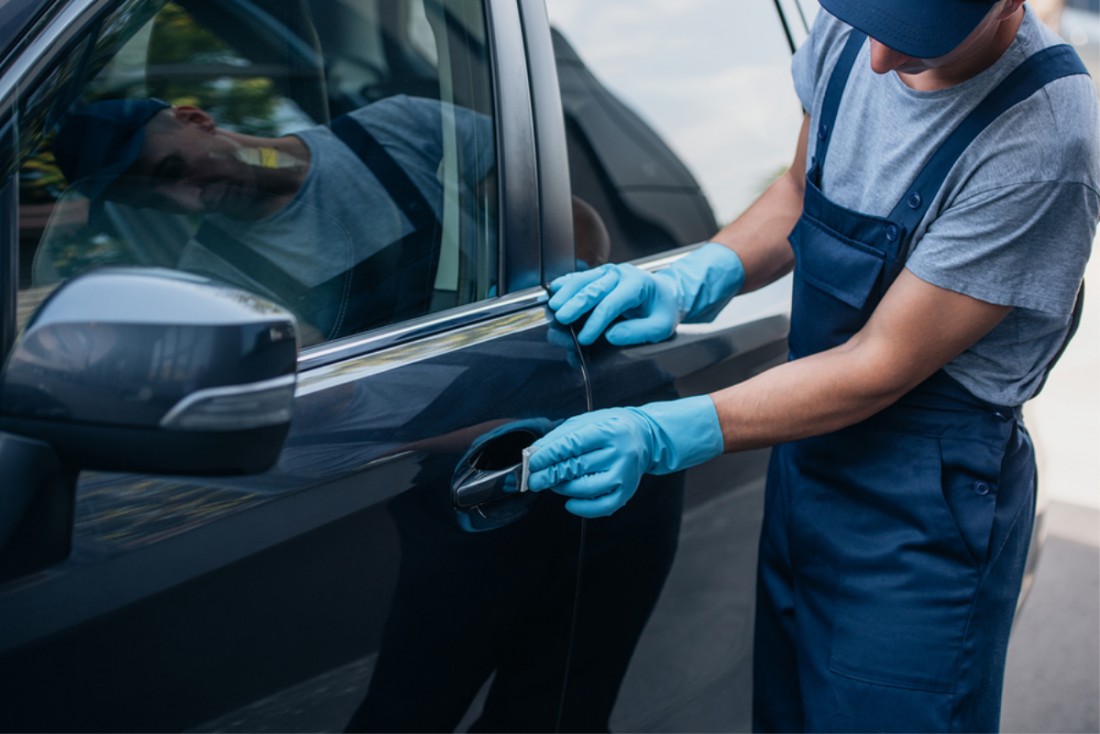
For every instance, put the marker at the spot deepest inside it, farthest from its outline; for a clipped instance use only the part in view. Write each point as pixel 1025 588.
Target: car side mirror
pixel 135 370
pixel 148 370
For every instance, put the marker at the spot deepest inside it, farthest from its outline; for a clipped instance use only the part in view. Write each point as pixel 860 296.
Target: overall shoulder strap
pixel 1038 70
pixel 834 92
pixel 1029 77
pixel 397 282
pixel 388 171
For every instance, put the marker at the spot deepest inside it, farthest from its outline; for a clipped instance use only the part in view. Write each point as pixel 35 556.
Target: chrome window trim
pixel 424 331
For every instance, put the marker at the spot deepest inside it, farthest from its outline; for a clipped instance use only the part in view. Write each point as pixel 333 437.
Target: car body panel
pixel 346 573
pixel 307 554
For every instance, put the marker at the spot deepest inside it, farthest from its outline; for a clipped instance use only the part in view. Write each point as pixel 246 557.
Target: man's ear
pixel 192 115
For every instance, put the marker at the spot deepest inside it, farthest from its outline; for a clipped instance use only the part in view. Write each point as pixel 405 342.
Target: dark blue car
pixel 258 472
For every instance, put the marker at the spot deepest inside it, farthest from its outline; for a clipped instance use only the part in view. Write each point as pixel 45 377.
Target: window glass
pixel 678 114
pixel 337 158
pixel 809 10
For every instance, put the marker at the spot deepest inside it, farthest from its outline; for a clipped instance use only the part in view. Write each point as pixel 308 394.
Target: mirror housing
pixel 152 370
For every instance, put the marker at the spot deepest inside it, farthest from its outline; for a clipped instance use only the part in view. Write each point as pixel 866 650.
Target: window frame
pixel 533 196
pixel 28 60
pixel 9 263
pixel 532 170
pixel 796 16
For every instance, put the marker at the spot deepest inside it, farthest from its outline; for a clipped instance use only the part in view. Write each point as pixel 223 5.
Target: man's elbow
pixel 881 375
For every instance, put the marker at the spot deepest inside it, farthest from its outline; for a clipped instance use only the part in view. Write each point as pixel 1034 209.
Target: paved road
pixel 1053 678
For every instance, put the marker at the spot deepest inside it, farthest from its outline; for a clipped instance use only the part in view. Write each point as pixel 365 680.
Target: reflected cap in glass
pixel 96 143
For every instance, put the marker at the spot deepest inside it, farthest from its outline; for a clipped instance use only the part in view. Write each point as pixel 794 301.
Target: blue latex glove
pixel 694 288
pixel 597 459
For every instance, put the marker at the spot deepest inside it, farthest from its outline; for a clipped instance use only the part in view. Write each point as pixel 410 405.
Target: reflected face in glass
pixel 188 166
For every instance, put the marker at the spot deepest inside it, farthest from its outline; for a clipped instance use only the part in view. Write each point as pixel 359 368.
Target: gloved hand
pixel 694 288
pixel 597 459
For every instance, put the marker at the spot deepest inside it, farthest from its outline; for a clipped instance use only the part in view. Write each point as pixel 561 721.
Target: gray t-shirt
pixel 343 214
pixel 1013 223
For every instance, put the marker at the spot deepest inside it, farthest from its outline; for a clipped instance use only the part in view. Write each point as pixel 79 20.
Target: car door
pixel 705 95
pixel 385 568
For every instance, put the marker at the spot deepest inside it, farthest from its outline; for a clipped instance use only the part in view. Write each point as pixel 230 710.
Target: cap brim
pixel 920 28
pixel 95 185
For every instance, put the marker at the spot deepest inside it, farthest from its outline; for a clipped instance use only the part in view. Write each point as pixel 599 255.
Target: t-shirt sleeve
pixel 816 56
pixel 1023 245
pixel 805 67
pixel 416 125
pixel 409 125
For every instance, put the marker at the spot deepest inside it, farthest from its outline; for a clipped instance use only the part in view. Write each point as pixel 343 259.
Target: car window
pixel 678 115
pixel 809 10
pixel 337 159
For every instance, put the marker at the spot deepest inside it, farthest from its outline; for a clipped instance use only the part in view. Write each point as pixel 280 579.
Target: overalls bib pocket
pixel 834 280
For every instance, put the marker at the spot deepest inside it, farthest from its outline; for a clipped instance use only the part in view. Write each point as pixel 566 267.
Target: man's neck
pixel 975 55
pixel 280 166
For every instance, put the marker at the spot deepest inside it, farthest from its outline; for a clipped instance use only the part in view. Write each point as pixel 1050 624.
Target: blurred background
pixel 1053 679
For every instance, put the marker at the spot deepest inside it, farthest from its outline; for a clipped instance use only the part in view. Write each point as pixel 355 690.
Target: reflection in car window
pixel 677 124
pixel 340 163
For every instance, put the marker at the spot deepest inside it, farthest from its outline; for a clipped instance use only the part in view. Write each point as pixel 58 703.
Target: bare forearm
pixel 807 397
pixel 916 330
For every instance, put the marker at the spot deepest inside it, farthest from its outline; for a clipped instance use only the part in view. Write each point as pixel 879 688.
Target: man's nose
pixel 884 58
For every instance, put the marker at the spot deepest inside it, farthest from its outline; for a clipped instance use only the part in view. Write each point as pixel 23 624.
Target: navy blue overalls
pixel 892 551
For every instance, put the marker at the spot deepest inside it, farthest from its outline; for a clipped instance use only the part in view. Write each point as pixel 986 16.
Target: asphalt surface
pixel 1053 679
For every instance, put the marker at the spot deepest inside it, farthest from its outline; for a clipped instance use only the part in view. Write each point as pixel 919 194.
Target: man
pixel 340 223
pixel 943 199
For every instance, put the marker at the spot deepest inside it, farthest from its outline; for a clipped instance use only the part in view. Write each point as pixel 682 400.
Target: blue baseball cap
pixel 923 29
pixel 96 143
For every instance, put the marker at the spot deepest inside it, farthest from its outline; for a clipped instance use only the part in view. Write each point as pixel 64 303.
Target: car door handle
pixel 486 482
pixel 480 486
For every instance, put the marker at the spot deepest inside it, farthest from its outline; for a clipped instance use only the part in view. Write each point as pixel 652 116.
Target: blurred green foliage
pixel 238 101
